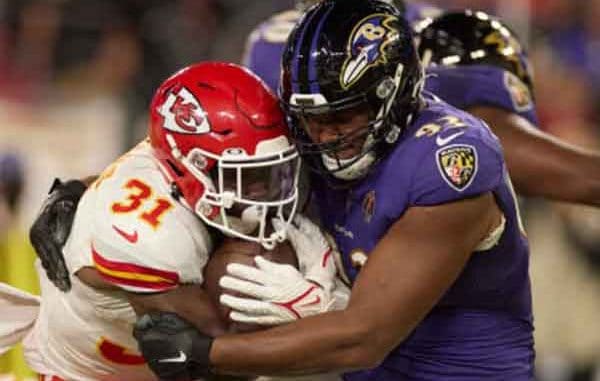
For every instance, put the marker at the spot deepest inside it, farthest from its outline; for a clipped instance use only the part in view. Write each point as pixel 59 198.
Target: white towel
pixel 18 312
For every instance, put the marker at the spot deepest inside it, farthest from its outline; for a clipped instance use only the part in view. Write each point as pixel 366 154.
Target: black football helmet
pixel 345 55
pixel 473 37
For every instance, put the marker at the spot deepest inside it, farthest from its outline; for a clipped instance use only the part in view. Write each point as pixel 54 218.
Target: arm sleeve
pixel 150 267
pixel 139 258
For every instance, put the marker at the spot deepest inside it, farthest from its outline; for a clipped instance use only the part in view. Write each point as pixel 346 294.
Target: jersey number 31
pixel 139 193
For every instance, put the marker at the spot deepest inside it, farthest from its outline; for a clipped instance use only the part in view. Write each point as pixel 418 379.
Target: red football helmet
pixel 221 140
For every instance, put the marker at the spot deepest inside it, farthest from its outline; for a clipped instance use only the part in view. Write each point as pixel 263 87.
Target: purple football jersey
pixel 264 47
pixel 481 85
pixel 482 327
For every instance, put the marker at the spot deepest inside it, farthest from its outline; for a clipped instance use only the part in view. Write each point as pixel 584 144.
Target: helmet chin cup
pixel 227 199
pixel 252 214
pixel 252 219
pixel 240 225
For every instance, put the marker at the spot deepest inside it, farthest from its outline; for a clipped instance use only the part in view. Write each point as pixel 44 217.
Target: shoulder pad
pixel 455 155
pixel 140 238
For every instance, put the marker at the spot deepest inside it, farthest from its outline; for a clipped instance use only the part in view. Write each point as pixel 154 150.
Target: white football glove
pixel 276 293
pixel 315 254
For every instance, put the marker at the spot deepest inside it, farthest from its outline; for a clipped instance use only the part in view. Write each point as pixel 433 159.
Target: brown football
pixel 233 250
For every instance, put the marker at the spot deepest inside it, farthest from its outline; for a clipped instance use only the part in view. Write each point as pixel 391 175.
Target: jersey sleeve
pixel 465 167
pixel 481 85
pixel 152 264
pixel 141 240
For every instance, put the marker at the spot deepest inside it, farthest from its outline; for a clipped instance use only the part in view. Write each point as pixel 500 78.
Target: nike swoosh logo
pixel 130 237
pixel 443 141
pixel 181 358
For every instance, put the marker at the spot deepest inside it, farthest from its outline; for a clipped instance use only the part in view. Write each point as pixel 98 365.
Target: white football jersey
pixel 138 238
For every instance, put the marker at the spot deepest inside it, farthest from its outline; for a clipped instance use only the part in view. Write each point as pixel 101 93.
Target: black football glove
pixel 173 348
pixel 51 229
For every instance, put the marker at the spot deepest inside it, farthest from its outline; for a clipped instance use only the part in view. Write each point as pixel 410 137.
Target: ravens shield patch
pixel 457 165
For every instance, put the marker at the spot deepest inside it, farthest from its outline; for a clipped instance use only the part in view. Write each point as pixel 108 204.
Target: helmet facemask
pixel 380 130
pixel 347 156
pixel 243 192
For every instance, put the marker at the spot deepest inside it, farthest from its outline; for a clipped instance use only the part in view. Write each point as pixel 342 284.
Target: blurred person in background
pixel 16 254
pixel 91 55
pixel 28 34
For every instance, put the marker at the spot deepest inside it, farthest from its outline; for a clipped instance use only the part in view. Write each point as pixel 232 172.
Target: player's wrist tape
pixel 172 347
pixel 200 365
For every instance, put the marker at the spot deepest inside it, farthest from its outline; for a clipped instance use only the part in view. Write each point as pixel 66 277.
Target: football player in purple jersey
pixel 403 179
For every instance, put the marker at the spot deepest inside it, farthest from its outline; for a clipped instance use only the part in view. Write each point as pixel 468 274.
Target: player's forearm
pixel 578 179
pixel 541 165
pixel 547 167
pixel 190 302
pixel 336 343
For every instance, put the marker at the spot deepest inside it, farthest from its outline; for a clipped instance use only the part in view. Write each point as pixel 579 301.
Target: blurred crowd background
pixel 76 77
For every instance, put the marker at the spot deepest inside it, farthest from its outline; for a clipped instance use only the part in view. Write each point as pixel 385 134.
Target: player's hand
pixel 315 254
pixel 51 229
pixel 173 348
pixel 276 293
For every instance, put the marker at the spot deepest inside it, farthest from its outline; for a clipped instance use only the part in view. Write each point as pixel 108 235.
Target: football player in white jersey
pixel 217 156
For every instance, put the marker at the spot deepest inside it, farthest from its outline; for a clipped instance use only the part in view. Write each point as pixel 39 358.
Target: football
pixel 233 250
